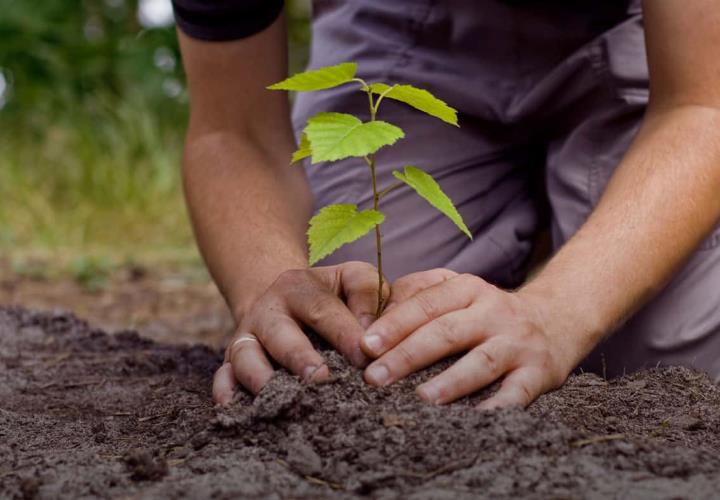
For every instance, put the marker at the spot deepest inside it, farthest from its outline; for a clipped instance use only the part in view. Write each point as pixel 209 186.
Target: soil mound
pixel 87 414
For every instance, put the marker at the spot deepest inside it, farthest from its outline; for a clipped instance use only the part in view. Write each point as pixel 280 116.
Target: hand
pixel 273 326
pixel 435 314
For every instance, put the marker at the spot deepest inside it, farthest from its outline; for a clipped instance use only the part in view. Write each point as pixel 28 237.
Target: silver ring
pixel 248 338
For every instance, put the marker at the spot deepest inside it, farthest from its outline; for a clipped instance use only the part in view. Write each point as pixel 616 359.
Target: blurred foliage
pixel 59 55
pixel 92 126
pixel 91 273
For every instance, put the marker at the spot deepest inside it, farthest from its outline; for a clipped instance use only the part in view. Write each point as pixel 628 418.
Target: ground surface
pixel 176 303
pixel 87 414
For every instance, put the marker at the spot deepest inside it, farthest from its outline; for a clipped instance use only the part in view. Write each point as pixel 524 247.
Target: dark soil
pixel 87 414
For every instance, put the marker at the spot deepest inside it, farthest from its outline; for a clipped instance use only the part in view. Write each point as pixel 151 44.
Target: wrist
pixel 574 329
pixel 244 291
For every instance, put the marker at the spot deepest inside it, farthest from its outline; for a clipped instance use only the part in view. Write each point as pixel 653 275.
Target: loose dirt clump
pixel 87 414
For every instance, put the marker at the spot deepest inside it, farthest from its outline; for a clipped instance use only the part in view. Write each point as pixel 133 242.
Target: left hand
pixel 435 314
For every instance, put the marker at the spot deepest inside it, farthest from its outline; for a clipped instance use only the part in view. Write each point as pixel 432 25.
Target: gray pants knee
pixel 550 97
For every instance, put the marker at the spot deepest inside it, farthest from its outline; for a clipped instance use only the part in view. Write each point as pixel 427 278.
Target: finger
pixel 249 363
pixel 519 389
pixel 407 286
pixel 287 344
pixel 477 369
pixel 423 307
pixel 360 282
pixel 449 334
pixel 224 384
pixel 325 313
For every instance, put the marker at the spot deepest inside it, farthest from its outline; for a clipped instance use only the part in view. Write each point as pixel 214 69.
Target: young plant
pixel 336 136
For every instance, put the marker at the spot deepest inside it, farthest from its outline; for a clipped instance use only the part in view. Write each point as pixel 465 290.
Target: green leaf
pixel 427 188
pixel 419 99
pixel 303 150
pixel 337 225
pixel 334 136
pixel 319 79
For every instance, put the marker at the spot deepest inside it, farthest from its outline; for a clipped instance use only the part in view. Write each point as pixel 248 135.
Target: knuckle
pixel 466 278
pixel 291 277
pixel 527 337
pixel 426 305
pixel 527 333
pixel 405 356
pixel 470 283
pixel 404 281
pixel 271 331
pixel 488 359
pixel 292 358
pixel 498 304
pixel 446 331
pixel 320 308
pixel 401 288
pixel 442 273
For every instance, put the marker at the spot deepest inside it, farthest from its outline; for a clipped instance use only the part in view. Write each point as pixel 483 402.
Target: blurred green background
pixel 93 108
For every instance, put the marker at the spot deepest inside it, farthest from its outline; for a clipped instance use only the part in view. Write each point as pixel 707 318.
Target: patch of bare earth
pixel 87 414
pixel 162 304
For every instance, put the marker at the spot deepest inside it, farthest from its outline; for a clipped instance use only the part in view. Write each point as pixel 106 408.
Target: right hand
pixel 338 302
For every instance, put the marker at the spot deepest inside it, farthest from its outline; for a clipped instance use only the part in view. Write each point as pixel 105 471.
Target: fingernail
pixel 366 320
pixel 308 373
pixel 377 375
pixel 373 343
pixel 429 392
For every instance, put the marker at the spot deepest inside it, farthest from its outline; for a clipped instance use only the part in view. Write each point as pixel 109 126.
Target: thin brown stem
pixel 378 238
pixel 376 205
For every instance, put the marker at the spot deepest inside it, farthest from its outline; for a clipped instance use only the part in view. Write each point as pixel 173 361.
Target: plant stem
pixel 378 238
pixel 376 205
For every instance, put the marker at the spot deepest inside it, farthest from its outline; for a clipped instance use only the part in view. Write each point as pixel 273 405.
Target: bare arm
pixel 664 197
pixel 248 206
pixel 661 202
pixel 250 210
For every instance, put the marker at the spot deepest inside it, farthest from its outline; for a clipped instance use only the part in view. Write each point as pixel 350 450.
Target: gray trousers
pixel 550 96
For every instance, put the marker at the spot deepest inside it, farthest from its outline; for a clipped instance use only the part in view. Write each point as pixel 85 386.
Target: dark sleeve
pixel 220 20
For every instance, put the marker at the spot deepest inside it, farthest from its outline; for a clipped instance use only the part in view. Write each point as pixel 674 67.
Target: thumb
pixel 360 284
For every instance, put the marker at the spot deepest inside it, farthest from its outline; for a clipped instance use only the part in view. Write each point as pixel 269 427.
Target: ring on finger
pixel 245 337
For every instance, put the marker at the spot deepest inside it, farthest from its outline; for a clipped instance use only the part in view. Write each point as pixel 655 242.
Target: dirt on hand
pixel 87 414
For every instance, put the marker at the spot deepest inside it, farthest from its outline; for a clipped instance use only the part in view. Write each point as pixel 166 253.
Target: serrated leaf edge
pixel 284 83
pixel 402 176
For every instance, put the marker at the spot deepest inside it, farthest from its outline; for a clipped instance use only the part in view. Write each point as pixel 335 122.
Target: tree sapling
pixel 335 136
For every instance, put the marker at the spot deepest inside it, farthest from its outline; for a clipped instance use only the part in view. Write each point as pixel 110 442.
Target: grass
pixel 90 144
pixel 102 181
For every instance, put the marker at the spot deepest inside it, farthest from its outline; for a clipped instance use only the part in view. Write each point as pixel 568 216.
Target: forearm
pixel 248 205
pixel 660 204
pixel 249 209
